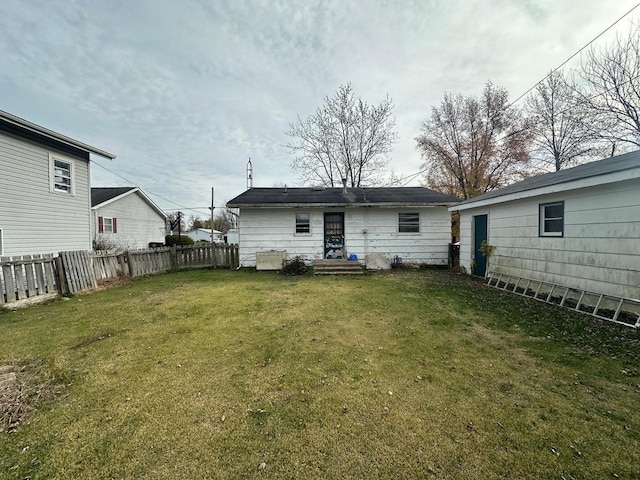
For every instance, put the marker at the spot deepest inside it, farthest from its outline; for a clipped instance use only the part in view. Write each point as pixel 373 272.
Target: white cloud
pixel 185 92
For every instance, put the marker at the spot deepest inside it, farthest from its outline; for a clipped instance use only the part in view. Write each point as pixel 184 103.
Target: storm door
pixel 334 235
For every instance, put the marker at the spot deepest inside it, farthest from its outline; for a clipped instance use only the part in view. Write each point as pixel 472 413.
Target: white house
pixel 204 235
pixel 578 228
pixel 44 189
pixel 412 223
pixel 125 218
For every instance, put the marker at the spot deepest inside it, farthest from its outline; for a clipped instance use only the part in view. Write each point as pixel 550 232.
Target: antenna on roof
pixel 249 174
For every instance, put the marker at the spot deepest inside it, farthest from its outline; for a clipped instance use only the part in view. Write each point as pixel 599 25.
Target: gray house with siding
pixel 318 223
pixel 44 189
pixel 577 228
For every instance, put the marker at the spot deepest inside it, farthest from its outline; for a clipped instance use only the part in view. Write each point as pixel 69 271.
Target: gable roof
pixel 534 185
pixel 101 196
pixel 24 128
pixel 328 197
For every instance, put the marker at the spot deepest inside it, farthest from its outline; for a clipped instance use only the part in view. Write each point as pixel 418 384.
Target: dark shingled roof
pixel 100 195
pixel 619 163
pixel 319 196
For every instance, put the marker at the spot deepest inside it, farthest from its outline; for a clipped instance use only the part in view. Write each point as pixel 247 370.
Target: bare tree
pixel 612 75
pixel 346 138
pixel 473 145
pixel 195 222
pixel 563 135
pixel 225 219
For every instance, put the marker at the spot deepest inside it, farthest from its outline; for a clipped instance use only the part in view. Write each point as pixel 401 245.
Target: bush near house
pixel 171 240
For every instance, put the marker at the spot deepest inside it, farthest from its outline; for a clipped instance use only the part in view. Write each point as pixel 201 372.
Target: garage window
pixel 551 219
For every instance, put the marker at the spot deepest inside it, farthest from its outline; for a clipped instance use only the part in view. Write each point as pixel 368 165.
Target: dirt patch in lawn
pixel 12 405
pixel 22 388
pixel 93 339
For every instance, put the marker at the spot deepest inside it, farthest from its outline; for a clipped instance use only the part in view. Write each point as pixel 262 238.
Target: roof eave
pixel 144 196
pixel 592 181
pixel 32 127
pixel 341 205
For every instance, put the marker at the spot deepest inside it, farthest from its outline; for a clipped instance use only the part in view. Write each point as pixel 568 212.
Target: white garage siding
pixel 600 249
pixel 264 229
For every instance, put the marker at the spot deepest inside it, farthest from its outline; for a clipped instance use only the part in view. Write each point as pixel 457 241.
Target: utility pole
pixel 212 207
pixel 179 227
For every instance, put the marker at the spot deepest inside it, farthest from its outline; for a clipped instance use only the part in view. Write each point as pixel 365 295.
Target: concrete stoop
pixel 337 267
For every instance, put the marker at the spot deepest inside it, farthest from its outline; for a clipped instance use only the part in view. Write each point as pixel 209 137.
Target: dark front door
pixel 480 235
pixel 334 235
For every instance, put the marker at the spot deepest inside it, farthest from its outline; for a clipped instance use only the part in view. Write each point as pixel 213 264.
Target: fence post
pixel 173 257
pixel 62 289
pixel 130 263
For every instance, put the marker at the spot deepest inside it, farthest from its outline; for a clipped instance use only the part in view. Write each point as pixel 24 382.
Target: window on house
pixel 408 222
pixel 1 247
pixel 303 223
pixel 107 225
pixel 61 175
pixel 552 219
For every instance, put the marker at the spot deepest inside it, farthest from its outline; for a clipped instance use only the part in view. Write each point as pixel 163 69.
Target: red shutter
pixel 100 225
pixel 114 223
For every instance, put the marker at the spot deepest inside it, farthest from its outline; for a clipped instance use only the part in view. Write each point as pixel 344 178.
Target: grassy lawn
pixel 219 374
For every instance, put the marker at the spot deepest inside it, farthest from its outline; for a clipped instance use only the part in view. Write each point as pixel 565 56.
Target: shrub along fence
pixel 43 276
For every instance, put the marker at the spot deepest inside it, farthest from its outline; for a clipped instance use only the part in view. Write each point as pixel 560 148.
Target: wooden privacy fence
pixel 135 263
pixel 27 276
pixel 31 276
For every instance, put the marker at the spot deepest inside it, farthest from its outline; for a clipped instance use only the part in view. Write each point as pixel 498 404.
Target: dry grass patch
pixel 240 375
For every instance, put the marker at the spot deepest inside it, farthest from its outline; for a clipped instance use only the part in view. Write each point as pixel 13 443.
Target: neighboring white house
pixel 125 217
pixel 44 189
pixel 578 228
pixel 412 223
pixel 204 235
pixel 232 236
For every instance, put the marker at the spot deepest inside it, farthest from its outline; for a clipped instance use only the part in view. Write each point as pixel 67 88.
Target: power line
pixel 147 190
pixel 572 56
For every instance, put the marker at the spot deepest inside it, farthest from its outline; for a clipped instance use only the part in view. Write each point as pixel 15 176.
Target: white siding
pixel 138 223
pixel 600 249
pixel 274 229
pixel 33 219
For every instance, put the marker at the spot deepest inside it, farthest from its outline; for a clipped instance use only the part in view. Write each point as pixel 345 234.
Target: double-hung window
pixel 408 222
pixel 551 219
pixel 107 225
pixel 303 223
pixel 61 175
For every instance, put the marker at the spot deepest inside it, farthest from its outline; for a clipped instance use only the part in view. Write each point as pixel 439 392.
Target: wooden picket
pixel 30 276
pixel 78 271
pixel 27 276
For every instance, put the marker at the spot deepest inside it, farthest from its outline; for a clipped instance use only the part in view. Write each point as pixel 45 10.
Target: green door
pixel 480 235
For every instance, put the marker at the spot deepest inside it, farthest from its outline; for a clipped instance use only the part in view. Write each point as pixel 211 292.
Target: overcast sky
pixel 185 91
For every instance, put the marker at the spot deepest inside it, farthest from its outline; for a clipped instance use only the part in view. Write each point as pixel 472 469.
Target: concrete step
pixel 338 272
pixel 337 267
